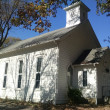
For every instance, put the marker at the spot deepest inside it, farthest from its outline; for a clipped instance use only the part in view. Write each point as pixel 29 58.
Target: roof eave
pixel 75 5
pixel 43 43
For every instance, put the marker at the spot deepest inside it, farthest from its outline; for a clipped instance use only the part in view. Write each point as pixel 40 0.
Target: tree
pixel 103 6
pixel 27 13
pixel 9 41
pixel 8 9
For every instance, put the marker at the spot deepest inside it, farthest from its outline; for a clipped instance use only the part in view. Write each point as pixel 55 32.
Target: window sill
pixel 84 87
pixel 3 88
pixel 18 89
pixel 37 89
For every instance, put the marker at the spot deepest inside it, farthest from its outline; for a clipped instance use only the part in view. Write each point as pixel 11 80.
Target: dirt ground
pixel 18 105
pixel 84 107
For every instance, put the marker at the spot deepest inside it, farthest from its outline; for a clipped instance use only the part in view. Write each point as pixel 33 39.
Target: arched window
pixel 70 76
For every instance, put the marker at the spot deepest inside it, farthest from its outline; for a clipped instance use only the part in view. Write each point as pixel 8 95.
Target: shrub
pixel 75 96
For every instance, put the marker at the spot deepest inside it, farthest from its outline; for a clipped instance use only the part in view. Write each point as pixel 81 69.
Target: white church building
pixel 41 68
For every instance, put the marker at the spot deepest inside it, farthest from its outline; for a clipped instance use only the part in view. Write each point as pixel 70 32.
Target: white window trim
pixel 39 56
pixel 18 65
pixel 80 75
pixel 5 75
pixel 86 78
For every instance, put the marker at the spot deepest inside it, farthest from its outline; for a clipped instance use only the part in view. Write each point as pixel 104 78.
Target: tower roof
pixel 75 5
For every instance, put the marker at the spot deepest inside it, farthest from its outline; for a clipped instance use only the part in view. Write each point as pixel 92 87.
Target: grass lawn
pixel 6 104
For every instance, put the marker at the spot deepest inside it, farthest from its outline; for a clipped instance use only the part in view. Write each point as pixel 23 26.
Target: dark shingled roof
pixel 91 56
pixel 44 38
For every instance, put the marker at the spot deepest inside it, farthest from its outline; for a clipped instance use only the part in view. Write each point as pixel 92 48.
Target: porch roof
pixel 91 56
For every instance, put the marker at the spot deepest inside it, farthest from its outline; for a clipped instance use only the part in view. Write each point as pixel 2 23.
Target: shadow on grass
pixel 12 104
pixel 19 105
pixel 9 107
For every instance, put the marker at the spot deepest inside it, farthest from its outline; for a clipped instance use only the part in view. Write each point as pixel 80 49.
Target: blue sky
pixel 100 24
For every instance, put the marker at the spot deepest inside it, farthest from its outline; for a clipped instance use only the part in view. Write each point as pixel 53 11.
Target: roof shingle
pixel 44 38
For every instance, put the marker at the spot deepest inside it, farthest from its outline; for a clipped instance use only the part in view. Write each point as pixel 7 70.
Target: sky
pixel 100 24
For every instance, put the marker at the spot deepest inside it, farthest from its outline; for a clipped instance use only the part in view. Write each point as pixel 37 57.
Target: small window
pixel 84 78
pixel 38 72
pixel 5 75
pixel 20 73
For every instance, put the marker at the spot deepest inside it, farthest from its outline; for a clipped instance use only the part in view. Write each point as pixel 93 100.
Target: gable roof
pixel 47 37
pixel 41 39
pixel 91 56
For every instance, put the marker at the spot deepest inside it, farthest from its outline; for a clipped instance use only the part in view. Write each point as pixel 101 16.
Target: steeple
pixel 76 13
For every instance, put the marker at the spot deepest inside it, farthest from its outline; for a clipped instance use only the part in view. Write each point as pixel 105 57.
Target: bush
pixel 75 96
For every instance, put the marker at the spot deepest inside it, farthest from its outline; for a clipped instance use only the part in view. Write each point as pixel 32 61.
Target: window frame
pixel 85 79
pixel 20 73
pixel 5 75
pixel 38 72
pixel 37 81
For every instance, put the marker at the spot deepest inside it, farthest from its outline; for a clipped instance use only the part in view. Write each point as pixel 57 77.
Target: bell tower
pixel 76 13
